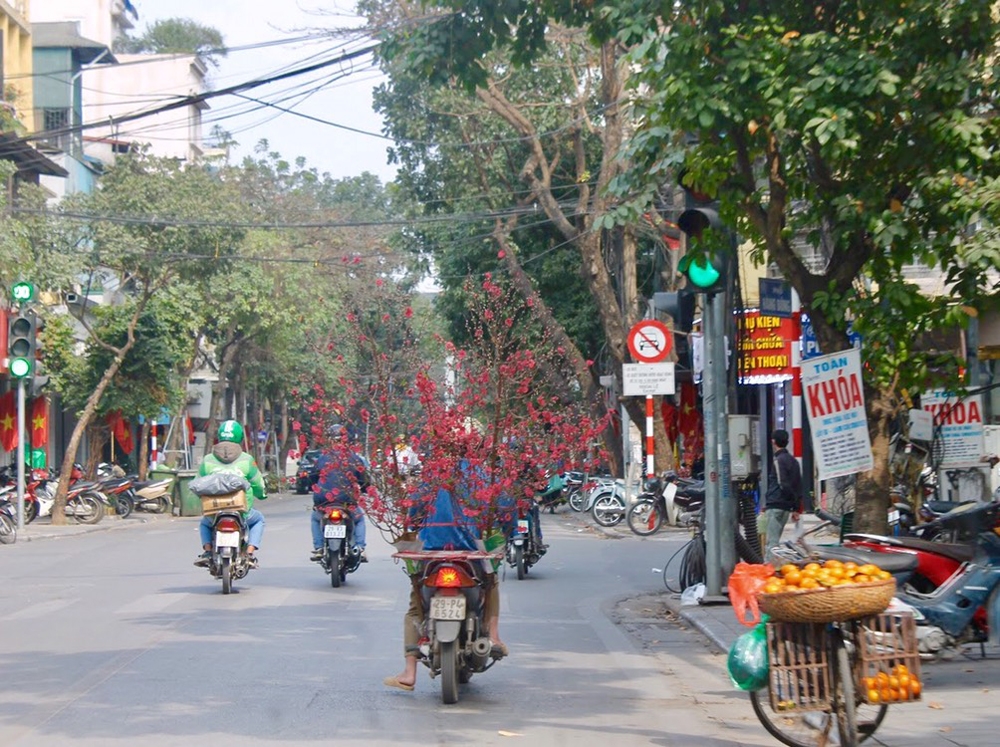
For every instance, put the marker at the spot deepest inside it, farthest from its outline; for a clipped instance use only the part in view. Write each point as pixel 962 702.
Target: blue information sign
pixel 775 298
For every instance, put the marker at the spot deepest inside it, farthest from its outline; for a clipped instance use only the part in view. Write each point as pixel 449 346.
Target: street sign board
pixel 775 297
pixel 647 379
pixel 650 341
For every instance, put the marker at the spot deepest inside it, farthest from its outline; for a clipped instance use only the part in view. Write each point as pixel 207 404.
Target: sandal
pixel 394 682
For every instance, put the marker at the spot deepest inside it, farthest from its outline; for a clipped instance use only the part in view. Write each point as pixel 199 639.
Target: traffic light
pixel 21 343
pixel 709 250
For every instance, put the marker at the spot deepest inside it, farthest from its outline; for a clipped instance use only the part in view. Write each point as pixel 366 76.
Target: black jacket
pixel 784 488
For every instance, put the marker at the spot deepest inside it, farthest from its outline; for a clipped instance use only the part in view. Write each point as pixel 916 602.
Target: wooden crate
pixel 800 676
pixel 887 648
pixel 214 504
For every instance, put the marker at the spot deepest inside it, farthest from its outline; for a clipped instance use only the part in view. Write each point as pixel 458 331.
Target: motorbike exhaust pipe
pixel 480 653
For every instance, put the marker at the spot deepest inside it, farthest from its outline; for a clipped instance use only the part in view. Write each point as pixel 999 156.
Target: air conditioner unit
pixel 72 299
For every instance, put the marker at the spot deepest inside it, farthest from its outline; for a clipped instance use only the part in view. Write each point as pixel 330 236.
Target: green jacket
pixel 229 457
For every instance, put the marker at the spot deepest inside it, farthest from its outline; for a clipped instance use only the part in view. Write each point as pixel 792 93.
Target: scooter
pixel 553 495
pixel 152 496
pixel 663 500
pixel 340 555
pixel 229 561
pixel 8 522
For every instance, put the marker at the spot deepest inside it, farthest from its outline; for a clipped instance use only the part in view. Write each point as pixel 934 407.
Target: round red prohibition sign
pixel 650 341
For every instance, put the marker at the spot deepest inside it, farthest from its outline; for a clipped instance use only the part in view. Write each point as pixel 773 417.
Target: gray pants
pixel 775 518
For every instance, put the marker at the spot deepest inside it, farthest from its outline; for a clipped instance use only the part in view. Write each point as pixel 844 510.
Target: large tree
pixel 867 130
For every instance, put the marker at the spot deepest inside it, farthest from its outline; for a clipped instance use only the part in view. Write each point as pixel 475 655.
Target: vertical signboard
pixel 958 428
pixel 835 403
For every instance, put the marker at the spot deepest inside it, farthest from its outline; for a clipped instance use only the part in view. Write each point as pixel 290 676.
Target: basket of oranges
pixel 826 592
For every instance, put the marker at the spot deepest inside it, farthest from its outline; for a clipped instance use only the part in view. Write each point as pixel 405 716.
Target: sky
pixel 342 95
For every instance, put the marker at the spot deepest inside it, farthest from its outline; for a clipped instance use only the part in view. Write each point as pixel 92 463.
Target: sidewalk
pixel 43 528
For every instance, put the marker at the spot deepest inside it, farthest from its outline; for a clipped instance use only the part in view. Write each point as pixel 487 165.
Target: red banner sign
pixel 765 347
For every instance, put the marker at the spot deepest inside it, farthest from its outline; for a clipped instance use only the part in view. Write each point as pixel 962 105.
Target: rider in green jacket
pixel 228 456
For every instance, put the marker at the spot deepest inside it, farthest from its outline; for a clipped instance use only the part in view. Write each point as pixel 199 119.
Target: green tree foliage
pixel 867 130
pixel 176 36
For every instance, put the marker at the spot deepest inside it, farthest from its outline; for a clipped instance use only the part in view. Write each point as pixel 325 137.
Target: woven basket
pixel 829 605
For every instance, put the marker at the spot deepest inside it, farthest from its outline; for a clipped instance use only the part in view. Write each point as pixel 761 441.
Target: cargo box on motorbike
pixel 214 504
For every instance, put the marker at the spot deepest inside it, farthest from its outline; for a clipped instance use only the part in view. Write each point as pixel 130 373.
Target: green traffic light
pixel 20 367
pixel 702 273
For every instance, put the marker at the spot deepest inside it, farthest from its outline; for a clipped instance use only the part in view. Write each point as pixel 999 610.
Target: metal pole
pixel 710 406
pixel 726 504
pixel 20 453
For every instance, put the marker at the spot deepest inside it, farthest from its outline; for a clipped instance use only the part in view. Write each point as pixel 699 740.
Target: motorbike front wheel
pixel 449 672
pixel 30 511
pixel 8 530
pixel 86 509
pixel 644 518
pixel 608 510
pixel 124 506
pixel 577 500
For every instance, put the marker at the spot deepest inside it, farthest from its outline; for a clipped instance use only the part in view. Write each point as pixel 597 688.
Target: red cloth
pixel 670 413
pixel 690 424
pixel 8 422
pixel 39 423
pixel 120 430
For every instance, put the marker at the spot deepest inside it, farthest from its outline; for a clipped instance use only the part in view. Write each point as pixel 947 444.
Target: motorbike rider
pixel 228 456
pixel 342 476
pixel 445 526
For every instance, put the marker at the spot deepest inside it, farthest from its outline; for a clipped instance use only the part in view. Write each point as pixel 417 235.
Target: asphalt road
pixel 114 637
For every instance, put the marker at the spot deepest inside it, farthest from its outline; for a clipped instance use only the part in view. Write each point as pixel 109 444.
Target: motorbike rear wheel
pixel 609 509
pixel 577 500
pixel 645 518
pixel 123 505
pixel 227 575
pixel 8 530
pixel 335 576
pixel 449 672
pixel 520 563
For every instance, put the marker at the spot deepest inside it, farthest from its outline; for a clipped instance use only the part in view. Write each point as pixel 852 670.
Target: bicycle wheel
pixel 672 569
pixel 812 728
pixel 845 699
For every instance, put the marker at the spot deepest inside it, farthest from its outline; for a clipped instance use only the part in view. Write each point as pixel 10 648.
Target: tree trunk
pixel 86 416
pixel 219 395
pixel 871 508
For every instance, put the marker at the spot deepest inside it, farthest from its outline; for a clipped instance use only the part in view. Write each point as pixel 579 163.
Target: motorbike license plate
pixel 522 526
pixel 894 517
pixel 227 539
pixel 335 531
pixel 448 608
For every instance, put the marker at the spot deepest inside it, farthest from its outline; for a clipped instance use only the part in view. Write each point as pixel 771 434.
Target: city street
pixel 114 637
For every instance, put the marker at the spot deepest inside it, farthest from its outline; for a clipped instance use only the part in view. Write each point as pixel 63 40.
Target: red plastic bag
pixel 746 581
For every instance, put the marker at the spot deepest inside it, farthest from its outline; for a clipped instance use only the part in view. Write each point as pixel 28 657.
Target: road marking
pixel 41 610
pixel 150 603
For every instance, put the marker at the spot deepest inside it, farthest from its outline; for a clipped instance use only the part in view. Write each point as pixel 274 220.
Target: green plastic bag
pixel 748 663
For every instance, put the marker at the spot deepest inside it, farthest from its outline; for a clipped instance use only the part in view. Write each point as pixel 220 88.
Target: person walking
pixel 784 492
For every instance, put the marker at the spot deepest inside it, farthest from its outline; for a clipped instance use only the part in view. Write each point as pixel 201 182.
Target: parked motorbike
pixel 340 555
pixel 953 589
pixel 84 502
pixel 455 644
pixel 152 496
pixel 658 503
pixel 524 547
pixel 553 495
pixel 8 522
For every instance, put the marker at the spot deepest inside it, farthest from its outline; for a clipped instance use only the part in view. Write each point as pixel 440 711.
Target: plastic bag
pixel 748 663
pixel 746 581
pixel 218 483
pixel 692 595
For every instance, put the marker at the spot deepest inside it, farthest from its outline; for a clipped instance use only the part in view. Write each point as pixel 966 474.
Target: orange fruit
pixel 901 669
pixel 915 688
pixel 883 679
pixel 904 682
pixel 886 695
pixel 808 582
pixel 793 578
pixel 868 569
pixel 873 695
pixel 894 682
pixel 789 568
pixel 850 565
pixel 833 563
pixel 862 579
pixel 811 567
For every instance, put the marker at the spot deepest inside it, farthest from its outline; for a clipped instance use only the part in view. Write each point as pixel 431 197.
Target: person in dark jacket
pixel 784 492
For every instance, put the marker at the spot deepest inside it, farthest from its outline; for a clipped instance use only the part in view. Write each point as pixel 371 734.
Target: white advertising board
pixel 646 379
pixel 958 428
pixel 835 403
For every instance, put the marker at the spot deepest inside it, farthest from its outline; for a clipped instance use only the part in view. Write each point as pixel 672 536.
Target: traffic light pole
pixel 710 405
pixel 726 506
pixel 20 454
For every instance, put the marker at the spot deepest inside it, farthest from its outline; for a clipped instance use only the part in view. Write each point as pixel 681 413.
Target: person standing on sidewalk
pixel 784 492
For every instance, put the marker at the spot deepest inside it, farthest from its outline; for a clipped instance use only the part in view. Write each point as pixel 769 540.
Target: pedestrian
pixel 784 492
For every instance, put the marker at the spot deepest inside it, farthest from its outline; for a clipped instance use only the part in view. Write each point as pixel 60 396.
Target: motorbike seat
pixel 943 507
pixel 957 552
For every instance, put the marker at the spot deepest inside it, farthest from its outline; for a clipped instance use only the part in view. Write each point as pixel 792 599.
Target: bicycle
pixel 811 698
pixel 690 558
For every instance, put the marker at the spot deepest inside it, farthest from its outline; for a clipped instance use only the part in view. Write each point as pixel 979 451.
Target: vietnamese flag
pixel 120 430
pixel 39 423
pixel 8 422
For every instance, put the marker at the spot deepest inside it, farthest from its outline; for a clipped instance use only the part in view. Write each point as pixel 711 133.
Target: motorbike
pixel 455 643
pixel 8 522
pixel 229 560
pixel 152 496
pixel 84 502
pixel 340 555
pixel 953 590
pixel 553 495
pixel 663 500
pixel 524 547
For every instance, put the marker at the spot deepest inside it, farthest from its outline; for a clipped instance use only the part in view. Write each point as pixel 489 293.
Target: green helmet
pixel 231 431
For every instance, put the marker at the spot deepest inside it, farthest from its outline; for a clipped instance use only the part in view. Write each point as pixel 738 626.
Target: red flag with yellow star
pixel 8 422
pixel 39 423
